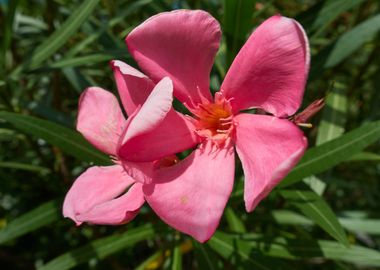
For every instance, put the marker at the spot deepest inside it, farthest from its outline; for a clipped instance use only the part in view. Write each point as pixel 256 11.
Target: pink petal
pixel 182 45
pixel 94 187
pixel 153 111
pixel 156 130
pixel 271 69
pixel 117 211
pixel 134 87
pixel 268 148
pixel 100 119
pixel 140 171
pixel 191 195
pixel 174 135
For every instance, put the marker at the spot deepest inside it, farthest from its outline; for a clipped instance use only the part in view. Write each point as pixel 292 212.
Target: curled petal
pixel 180 44
pixel 100 119
pixel 173 135
pixel 268 148
pixel 156 130
pixel 95 192
pixel 191 195
pixel 133 86
pixel 271 69
pixel 152 112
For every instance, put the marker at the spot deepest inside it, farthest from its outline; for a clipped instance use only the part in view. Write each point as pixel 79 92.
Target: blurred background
pixel 325 215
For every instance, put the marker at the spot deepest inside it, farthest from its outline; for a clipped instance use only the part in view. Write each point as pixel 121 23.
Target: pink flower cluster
pixel 176 51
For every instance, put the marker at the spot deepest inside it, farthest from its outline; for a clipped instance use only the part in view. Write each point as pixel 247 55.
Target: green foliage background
pixel 324 215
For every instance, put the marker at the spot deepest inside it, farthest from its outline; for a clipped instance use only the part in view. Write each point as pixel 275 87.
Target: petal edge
pixel 181 44
pixel 268 148
pixel 191 195
pixel 270 71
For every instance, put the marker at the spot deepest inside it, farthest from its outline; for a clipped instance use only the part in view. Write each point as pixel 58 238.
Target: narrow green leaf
pixel 365 156
pixel 358 225
pixel 316 184
pixel 330 10
pixel 32 22
pixel 237 23
pixel 371 226
pixel 7 27
pixel 177 258
pixel 66 139
pixel 315 207
pixel 240 253
pixel 80 61
pixel 344 46
pixel 327 155
pixel 61 35
pixel 87 59
pixel 296 249
pixel 100 248
pixel 234 222
pixel 41 216
pixel 331 126
pixel 352 40
pixel 334 115
pixel 23 166
pixel 290 218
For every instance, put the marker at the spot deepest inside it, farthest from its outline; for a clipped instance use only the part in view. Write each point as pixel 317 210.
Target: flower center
pixel 215 120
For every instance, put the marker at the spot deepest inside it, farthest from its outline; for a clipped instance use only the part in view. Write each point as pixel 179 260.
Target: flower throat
pixel 214 121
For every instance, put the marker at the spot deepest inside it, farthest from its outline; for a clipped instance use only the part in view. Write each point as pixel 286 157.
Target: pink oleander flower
pixel 109 195
pixel 269 74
